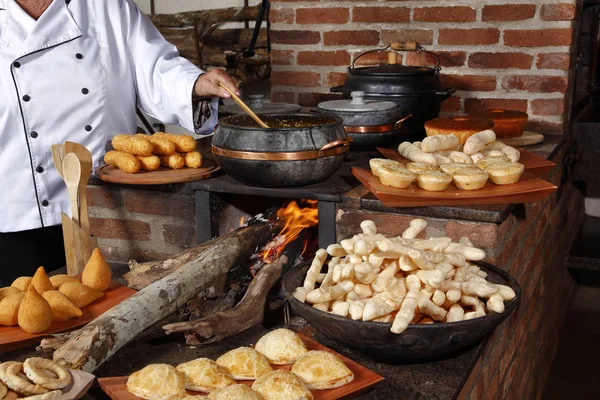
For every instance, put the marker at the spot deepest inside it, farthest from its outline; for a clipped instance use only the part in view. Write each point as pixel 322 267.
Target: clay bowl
pixel 419 342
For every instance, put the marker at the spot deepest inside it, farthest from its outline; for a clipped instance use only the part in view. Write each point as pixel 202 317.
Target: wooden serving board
pixel 161 176
pixel 80 384
pixel 364 379
pixel 526 139
pixel 13 337
pixel 533 163
pixel 528 190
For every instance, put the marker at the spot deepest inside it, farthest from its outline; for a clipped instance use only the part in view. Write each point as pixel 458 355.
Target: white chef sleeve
pixel 164 79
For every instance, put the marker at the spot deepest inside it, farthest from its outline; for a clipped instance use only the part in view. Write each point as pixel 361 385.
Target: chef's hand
pixel 207 85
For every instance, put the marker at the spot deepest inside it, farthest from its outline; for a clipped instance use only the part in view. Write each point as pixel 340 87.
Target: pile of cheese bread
pixel 34 303
pixel 36 378
pixel 311 370
pixel 402 280
pixel 133 153
pixel 441 159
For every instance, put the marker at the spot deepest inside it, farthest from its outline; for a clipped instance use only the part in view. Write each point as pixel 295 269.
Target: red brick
pixel 544 126
pixel 111 228
pixel 553 61
pixel 474 105
pixel 322 15
pixel 381 14
pixel 535 84
pixel 452 105
pixel 483 83
pixel 312 99
pixel 447 58
pixel 295 37
pixel 335 79
pixel 143 202
pixel 282 57
pixel 283 97
pixel 444 14
pixel 508 12
pixel 323 58
pixel 500 60
pixel 538 38
pixel 422 36
pixel 295 78
pixel 548 106
pixel 469 37
pixel 376 58
pixel 355 38
pixel 482 235
pixel 103 197
pixel 180 235
pixel 558 12
pixel 282 15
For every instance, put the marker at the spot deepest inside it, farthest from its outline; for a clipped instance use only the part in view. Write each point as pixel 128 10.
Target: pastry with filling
pixel 80 294
pixel 488 161
pixel 156 382
pixel 452 168
pixel 22 283
pixel 62 308
pixel 281 347
pixel 235 392
pixel 394 176
pixel 377 163
pixel 40 281
pixel 418 167
pixel 505 173
pixel 470 178
pixel 244 363
pixel 281 385
pixel 320 370
pixel 462 127
pixel 434 181
pixel 35 314
pixel 96 273
pixel 58 280
pixel 9 309
pixel 204 375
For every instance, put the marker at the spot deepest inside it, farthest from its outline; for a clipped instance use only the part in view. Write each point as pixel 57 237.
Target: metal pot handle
pixel 398 123
pixel 340 142
pixel 446 92
pixel 407 46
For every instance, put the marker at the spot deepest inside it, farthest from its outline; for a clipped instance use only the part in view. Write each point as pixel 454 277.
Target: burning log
pixel 88 347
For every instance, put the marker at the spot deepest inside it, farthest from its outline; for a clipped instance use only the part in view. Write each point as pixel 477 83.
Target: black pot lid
pixel 357 104
pixel 257 103
pixel 392 70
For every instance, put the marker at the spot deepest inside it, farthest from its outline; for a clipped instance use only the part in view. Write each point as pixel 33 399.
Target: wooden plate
pixel 526 139
pixel 363 380
pixel 528 190
pixel 161 176
pixel 80 384
pixel 13 337
pixel 533 163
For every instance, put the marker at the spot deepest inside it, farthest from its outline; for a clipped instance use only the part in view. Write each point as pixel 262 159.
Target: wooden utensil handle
pixel 404 46
pixel 245 107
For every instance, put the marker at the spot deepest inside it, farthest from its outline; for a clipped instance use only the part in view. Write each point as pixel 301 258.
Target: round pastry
pixel 10 374
pixel 434 181
pixel 418 167
pixel 35 368
pixel 281 347
pixel 244 363
pixel 453 167
pixel 156 381
pixel 235 392
pixel 281 385
pixel 505 173
pixel 462 127
pixel 394 176
pixel 470 178
pixel 507 123
pixel 377 163
pixel 204 375
pixel 45 396
pixel 488 161
pixel 322 370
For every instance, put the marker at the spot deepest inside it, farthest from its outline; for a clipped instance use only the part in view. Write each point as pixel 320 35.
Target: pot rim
pixel 335 121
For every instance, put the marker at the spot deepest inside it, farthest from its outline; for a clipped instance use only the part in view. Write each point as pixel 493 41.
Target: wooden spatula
pixel 71 169
pixel 245 107
pixel 85 159
pixel 57 157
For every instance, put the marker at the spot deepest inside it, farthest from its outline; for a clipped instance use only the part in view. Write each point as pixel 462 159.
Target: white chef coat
pixel 77 74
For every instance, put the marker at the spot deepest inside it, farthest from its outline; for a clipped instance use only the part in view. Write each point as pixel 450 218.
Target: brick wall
pixel 531 244
pixel 514 55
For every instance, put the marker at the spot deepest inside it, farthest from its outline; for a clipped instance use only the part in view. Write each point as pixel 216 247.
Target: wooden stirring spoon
pixel 85 158
pixel 71 169
pixel 245 107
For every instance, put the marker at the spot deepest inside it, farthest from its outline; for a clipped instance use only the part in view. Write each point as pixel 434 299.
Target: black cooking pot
pixel 417 90
pixel 297 149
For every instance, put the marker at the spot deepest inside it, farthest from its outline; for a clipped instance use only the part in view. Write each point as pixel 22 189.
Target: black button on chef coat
pixel 33 134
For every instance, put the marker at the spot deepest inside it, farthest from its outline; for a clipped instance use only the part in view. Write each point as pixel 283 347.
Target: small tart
pixel 470 178
pixel 281 347
pixel 434 181
pixel 157 382
pixel 452 168
pixel 320 370
pixel 281 385
pixel 418 167
pixel 398 177
pixel 505 173
pixel 244 363
pixel 486 162
pixel 235 392
pixel 377 163
pixel 204 375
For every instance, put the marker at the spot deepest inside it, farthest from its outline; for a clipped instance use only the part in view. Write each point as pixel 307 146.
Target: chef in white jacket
pixel 75 70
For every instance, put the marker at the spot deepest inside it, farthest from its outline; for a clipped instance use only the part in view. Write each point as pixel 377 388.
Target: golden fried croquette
pixel 174 161
pixel 149 163
pixel 183 143
pixel 124 161
pixel 193 159
pixel 160 146
pixel 133 144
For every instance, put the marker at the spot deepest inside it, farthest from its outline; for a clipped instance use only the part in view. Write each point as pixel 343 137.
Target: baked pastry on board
pixel 156 382
pixel 281 347
pixel 321 370
pixel 281 385
pixel 235 392
pixel 204 375
pixel 244 363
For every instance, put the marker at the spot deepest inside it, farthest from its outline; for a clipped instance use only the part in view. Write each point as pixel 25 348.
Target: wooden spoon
pixel 85 159
pixel 71 168
pixel 57 157
pixel 244 107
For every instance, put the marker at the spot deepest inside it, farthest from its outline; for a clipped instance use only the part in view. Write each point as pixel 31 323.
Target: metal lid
pixel 357 104
pixel 258 105
pixel 392 70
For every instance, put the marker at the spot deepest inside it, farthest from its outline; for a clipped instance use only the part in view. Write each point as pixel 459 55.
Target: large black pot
pixel 299 149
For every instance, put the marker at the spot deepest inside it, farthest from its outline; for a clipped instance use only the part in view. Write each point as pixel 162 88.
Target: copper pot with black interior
pixel 370 123
pixel 296 149
pixel 417 90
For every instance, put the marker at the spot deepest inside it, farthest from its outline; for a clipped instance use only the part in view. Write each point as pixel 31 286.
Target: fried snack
pixel 183 143
pixel 45 396
pixel 281 347
pixel 281 385
pixel 40 281
pixel 160 146
pixel 193 159
pixel 470 178
pixel 7 291
pixel 244 363
pixel 431 144
pixel 137 145
pixel 62 308
pixel 22 283
pixel 35 314
pixel 156 381
pixel 174 161
pixel 149 163
pixel 34 368
pixel 11 395
pixel 376 163
pixel 58 280
pixel 398 177
pixel 322 370
pixel 10 376
pixel 235 392
pixel 96 273
pixel 505 173
pixel 414 153
pixel 488 161
pixel 452 168
pixel 204 375
pixel 9 309
pixel 126 162
pixel 417 167
pixel 434 181
pixel 80 294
